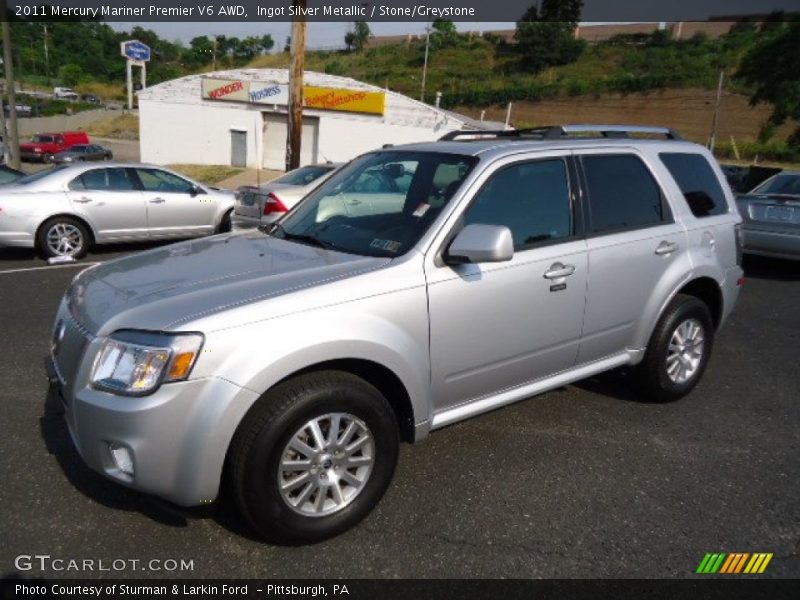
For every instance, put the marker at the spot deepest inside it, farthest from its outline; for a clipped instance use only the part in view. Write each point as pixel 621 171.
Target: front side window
pixel 378 205
pixel 622 193
pixel 154 180
pixel 109 180
pixel 532 199
pixel 697 181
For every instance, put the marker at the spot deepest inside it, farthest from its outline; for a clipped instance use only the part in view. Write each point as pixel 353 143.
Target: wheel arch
pixel 707 290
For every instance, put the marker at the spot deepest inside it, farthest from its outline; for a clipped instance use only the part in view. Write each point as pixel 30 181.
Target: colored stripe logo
pixel 734 563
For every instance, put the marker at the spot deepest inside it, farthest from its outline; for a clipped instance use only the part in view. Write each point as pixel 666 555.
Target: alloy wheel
pixel 64 239
pixel 685 351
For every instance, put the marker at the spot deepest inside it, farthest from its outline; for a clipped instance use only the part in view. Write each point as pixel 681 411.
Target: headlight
pixel 136 363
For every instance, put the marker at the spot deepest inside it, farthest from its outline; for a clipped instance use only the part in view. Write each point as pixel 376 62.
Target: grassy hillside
pixel 477 72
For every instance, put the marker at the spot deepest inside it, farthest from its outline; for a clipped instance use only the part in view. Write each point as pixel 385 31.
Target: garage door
pixel 275 141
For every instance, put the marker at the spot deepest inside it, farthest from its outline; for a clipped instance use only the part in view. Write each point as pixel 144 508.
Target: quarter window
pixel 622 193
pixel 698 183
pixel 532 199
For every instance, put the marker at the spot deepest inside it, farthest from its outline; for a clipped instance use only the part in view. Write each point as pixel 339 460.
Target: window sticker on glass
pixel 388 245
pixel 421 209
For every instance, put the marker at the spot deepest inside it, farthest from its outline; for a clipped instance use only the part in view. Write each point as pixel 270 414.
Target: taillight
pixel 273 205
pixel 739 234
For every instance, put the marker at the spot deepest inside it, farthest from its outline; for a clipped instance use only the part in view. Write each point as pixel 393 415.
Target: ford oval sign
pixel 135 50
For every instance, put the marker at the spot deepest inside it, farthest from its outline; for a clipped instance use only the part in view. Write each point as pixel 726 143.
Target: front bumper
pixel 177 437
pixel 771 243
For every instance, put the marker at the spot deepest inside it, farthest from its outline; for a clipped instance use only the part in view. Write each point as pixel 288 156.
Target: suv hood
pixel 162 288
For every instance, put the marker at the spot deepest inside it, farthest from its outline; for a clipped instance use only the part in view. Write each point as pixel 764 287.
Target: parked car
pixel 256 206
pixel 44 146
pixel 22 110
pixel 83 152
pixel 743 178
pixel 9 175
pixel 296 359
pixel 63 210
pixel 771 214
pixel 91 99
pixel 65 93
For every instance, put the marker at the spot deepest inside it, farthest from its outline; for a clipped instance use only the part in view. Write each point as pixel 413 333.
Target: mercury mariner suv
pixel 420 285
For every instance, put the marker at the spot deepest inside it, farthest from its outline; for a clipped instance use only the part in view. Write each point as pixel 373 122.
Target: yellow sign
pixel 358 101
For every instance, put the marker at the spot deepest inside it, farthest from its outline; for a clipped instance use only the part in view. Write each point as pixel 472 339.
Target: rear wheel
pixel 313 457
pixel 63 236
pixel 678 351
pixel 225 223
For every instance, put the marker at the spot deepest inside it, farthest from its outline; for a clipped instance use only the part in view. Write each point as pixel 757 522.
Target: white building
pixel 238 118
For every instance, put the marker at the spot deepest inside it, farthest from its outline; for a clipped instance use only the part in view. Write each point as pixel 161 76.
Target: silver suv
pixel 419 286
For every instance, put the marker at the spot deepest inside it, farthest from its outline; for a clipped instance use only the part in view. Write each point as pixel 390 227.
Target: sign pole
pixel 129 72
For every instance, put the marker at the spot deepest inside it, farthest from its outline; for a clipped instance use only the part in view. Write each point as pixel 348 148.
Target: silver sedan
pixel 63 210
pixel 771 217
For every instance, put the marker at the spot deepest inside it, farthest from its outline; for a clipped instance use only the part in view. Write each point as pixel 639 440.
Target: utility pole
pixel 46 56
pixel 425 64
pixel 294 129
pixel 12 142
pixel 713 139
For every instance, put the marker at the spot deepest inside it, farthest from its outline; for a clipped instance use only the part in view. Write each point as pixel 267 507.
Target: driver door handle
pixel 157 201
pixel 557 271
pixel 82 200
pixel 666 248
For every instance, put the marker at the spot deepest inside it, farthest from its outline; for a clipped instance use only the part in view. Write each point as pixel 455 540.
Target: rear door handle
pixel 157 201
pixel 82 200
pixel 666 248
pixel 557 271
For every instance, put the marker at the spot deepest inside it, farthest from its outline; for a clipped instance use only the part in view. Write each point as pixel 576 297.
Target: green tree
pixel 772 70
pixel 545 34
pixel 444 34
pixel 358 36
pixel 71 74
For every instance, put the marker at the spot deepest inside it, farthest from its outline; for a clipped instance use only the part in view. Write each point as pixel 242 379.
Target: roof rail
pixel 553 132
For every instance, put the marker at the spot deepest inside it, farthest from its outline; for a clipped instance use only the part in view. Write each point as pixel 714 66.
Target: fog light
pixel 122 458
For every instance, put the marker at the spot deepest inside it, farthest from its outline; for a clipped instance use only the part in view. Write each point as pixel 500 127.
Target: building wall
pixel 200 133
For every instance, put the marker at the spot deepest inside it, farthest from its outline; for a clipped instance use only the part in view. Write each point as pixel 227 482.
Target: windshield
pixel 303 175
pixel 780 184
pixel 380 204
pixel 40 175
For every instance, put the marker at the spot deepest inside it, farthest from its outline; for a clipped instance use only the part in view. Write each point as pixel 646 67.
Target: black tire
pixel 48 158
pixel 262 437
pixel 48 252
pixel 225 223
pixel 652 374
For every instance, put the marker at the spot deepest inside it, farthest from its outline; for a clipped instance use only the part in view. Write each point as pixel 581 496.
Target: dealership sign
pixel 318 98
pixel 135 50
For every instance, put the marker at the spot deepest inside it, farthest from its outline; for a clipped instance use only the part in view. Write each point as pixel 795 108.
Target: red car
pixel 43 146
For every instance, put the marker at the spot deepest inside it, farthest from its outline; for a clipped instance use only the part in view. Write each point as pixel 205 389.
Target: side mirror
pixel 195 191
pixel 481 244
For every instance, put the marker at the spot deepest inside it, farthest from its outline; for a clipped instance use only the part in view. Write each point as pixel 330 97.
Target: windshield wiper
pixel 303 238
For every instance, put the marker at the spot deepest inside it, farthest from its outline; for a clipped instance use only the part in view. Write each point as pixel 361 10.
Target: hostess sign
pixel 135 50
pixel 318 98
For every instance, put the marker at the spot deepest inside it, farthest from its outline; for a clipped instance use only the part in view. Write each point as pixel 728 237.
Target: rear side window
pixel 111 180
pixel 622 193
pixel 698 183
pixel 532 199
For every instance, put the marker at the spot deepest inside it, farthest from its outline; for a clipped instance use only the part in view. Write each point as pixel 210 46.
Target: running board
pixel 476 407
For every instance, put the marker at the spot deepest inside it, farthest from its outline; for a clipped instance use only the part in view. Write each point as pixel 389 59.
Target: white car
pixel 62 211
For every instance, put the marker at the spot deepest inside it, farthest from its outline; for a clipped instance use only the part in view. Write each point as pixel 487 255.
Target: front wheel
pixel 313 457
pixel 225 223
pixel 678 352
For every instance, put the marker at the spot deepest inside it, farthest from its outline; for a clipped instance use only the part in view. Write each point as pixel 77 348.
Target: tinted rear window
pixel 303 175
pixel 622 193
pixel 698 183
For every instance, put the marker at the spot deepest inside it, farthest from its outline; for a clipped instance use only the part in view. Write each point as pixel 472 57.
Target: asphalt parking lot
pixel 581 482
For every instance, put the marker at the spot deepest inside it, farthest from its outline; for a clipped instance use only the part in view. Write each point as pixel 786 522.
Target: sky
pixel 320 35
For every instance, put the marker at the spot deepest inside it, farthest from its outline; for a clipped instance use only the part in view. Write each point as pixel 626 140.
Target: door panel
pixel 108 200
pixel 498 326
pixel 172 209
